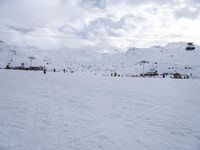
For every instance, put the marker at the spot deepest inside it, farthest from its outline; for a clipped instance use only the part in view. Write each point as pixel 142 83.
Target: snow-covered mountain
pixel 55 57
pixel 165 59
pixel 170 58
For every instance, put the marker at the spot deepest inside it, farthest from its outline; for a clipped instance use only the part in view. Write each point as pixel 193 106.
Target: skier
pixel 163 75
pixel 44 71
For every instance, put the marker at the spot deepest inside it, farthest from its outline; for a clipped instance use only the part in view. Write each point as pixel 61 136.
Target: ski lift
pixel 190 46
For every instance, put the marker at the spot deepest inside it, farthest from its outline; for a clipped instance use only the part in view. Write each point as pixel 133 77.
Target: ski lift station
pixel 190 46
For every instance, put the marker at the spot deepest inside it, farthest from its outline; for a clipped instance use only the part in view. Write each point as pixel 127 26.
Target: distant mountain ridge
pixel 173 55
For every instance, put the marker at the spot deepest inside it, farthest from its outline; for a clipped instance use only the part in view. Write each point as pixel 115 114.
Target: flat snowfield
pixel 57 111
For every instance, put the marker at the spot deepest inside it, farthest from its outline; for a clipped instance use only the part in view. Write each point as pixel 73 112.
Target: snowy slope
pixel 60 111
pixel 170 58
pixel 55 57
pixel 163 59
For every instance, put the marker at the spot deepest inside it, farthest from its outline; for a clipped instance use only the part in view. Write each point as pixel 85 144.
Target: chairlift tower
pixel 31 60
pixel 11 53
pixel 143 64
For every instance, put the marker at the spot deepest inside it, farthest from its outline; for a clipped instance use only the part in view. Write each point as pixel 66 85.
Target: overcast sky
pixel 99 23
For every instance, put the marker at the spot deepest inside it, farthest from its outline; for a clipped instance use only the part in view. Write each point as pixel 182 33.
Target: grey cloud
pixel 20 29
pixel 102 4
pixel 193 1
pixel 140 2
pixel 187 12
pixel 110 26
pixel 94 3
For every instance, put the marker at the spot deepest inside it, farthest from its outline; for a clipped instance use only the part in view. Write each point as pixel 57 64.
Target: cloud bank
pixel 99 23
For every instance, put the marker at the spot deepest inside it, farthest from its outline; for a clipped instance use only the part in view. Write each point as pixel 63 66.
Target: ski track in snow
pixel 60 111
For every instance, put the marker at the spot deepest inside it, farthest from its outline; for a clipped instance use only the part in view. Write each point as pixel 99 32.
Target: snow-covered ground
pixel 60 111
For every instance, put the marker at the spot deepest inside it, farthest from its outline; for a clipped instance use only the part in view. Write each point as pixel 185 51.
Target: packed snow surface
pixel 57 111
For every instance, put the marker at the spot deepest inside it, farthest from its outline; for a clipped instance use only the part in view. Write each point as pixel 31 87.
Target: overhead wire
pixel 99 35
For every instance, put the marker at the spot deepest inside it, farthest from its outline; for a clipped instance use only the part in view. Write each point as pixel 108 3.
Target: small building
pixel 19 68
pixel 36 68
pixel 177 76
pixel 31 68
pixel 190 47
pixel 8 66
pixel 150 74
